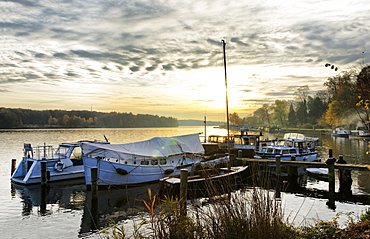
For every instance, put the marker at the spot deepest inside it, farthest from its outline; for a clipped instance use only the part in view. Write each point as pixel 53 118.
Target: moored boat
pixel 205 181
pixel 141 162
pixel 340 132
pixel 295 145
pixel 63 163
pixel 360 132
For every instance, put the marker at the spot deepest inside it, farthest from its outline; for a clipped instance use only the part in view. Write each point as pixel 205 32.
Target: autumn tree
pixel 280 112
pixel 235 119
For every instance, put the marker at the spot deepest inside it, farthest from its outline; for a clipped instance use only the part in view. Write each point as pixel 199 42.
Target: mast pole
pixel 227 99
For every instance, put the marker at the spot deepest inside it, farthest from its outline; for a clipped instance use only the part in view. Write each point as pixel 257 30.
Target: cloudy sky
pixel 164 57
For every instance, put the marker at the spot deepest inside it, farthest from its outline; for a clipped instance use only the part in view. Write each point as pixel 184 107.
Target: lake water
pixel 68 208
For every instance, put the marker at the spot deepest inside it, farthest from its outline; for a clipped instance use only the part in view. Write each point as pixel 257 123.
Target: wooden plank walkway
pixel 358 167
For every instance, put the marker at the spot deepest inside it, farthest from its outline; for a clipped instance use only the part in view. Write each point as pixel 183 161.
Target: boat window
pixel 163 161
pixel 281 143
pixel 76 153
pixel 154 162
pixel 252 141
pixel 285 151
pixel 270 150
pixel 292 151
pixel 238 141
pixel 278 151
pixel 144 162
pixel 62 150
pixel 289 143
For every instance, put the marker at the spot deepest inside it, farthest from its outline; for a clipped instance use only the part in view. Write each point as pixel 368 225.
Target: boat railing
pixel 43 152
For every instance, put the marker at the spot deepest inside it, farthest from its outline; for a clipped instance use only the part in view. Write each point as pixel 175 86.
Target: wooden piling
pixel 278 180
pixel 331 178
pixel 292 174
pixel 44 174
pixel 183 190
pixel 94 198
pixel 14 162
pixel 94 182
pixel 345 180
pixel 44 182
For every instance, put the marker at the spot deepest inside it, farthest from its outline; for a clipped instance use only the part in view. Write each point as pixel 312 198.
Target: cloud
pixel 145 43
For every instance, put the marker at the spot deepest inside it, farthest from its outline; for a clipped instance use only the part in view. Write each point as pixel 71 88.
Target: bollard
pixel 331 178
pixel 183 190
pixel 44 177
pixel 14 162
pixel 278 170
pixel 345 180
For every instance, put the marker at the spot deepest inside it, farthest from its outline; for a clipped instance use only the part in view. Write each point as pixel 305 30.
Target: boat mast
pixel 227 99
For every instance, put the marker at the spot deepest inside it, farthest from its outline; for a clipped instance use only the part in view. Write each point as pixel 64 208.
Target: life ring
pixel 59 166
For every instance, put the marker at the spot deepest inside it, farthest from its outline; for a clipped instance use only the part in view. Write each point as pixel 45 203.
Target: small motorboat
pixel 64 163
pixel 340 132
pixel 295 145
pixel 205 181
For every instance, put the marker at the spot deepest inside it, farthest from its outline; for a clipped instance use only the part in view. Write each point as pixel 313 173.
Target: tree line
pixel 345 102
pixel 27 118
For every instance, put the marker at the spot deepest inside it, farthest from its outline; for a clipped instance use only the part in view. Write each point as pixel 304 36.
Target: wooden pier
pixel 344 176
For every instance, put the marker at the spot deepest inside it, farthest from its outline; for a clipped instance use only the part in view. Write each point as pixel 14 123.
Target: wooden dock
pixel 345 180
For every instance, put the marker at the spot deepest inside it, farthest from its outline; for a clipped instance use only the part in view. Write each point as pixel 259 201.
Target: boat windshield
pixel 62 151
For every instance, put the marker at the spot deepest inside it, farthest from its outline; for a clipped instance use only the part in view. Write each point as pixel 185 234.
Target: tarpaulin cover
pixel 155 147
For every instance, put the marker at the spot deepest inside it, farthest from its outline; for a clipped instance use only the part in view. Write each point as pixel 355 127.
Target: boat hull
pixel 204 182
pixel 29 172
pixel 111 173
pixel 313 157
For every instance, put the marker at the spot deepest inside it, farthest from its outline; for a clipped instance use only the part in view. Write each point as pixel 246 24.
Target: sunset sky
pixel 165 57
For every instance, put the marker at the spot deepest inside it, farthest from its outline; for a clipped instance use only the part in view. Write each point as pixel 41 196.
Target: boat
pixel 204 182
pixel 360 132
pixel 63 163
pixel 295 145
pixel 340 132
pixel 318 173
pixel 140 162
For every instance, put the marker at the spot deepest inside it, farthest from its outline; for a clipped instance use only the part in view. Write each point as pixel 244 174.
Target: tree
pixel 292 117
pixel 334 114
pixel 280 114
pixel 235 119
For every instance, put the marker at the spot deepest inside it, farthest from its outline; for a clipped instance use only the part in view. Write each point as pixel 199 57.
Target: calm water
pixel 68 210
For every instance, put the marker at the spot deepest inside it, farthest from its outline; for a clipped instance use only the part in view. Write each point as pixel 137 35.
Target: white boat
pixel 64 163
pixel 141 162
pixel 340 132
pixel 292 145
pixel 360 132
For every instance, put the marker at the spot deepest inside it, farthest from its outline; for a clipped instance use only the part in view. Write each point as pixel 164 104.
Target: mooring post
pixel 345 180
pixel 94 183
pixel 94 198
pixel 44 174
pixel 292 174
pixel 331 178
pixel 183 190
pixel 14 162
pixel 278 170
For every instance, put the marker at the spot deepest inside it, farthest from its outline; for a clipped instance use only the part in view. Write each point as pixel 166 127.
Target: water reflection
pixel 112 205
